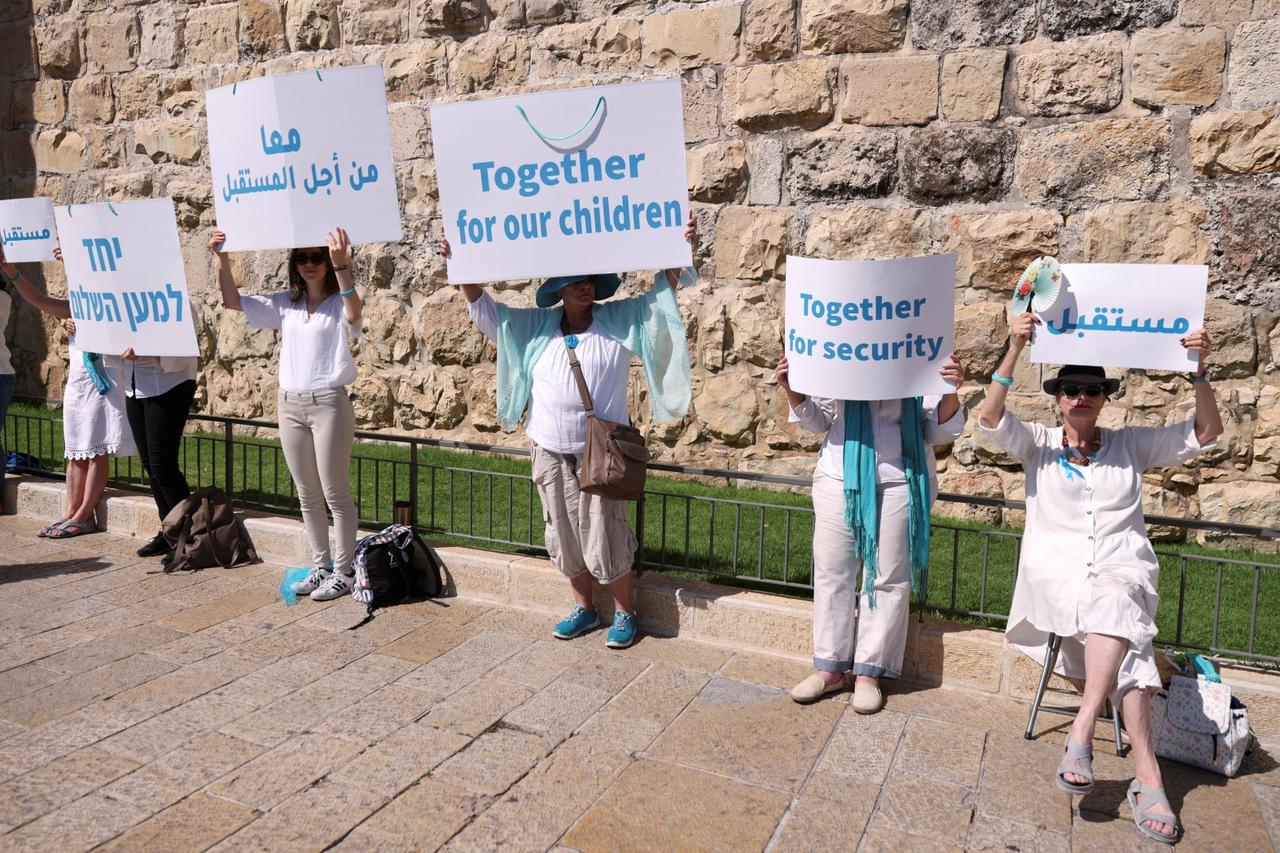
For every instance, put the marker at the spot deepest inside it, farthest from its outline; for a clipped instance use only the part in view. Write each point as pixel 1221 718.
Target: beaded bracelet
pixel 995 375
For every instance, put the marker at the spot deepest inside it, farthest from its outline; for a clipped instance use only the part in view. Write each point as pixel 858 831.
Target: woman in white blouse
pixel 1087 571
pixel 316 316
pixel 872 491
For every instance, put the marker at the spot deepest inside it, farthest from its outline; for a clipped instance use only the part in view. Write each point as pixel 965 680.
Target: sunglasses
pixel 316 258
pixel 1071 389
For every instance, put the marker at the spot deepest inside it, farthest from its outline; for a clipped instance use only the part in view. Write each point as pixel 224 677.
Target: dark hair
pixel 298 287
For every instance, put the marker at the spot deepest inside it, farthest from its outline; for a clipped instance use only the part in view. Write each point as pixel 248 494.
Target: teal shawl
pixel 861 509
pixel 648 326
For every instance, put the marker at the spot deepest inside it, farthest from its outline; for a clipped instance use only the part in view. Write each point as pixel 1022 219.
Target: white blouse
pixel 1084 521
pixel 314 352
pixel 819 414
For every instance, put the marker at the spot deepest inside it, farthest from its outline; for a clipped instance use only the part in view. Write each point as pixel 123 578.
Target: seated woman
pixel 1087 571
pixel 872 491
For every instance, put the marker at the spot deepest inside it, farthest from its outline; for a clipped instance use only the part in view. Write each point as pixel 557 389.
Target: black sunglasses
pixel 1072 390
pixel 309 257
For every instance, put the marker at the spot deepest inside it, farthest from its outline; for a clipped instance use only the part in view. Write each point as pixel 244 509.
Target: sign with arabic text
pixel 567 182
pixel 297 155
pixel 869 330
pixel 125 278
pixel 27 230
pixel 1123 315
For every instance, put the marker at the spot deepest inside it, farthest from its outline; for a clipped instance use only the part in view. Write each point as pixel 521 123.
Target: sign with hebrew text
pixel 1123 315
pixel 125 278
pixel 869 330
pixel 27 230
pixel 295 156
pixel 567 182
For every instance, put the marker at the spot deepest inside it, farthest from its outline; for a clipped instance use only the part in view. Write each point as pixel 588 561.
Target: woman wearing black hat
pixel 1087 571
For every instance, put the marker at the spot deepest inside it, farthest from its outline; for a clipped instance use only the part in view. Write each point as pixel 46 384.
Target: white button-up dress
pixel 1087 566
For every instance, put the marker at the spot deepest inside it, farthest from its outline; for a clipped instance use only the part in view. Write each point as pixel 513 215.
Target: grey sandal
pixel 1079 761
pixel 70 529
pixel 1155 797
pixel 45 531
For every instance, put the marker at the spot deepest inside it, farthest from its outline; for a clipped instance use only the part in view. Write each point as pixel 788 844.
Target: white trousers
pixel 584 533
pixel 317 431
pixel 845 636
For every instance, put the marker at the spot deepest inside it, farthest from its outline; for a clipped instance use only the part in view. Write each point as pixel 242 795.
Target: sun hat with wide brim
pixel 1083 374
pixel 606 283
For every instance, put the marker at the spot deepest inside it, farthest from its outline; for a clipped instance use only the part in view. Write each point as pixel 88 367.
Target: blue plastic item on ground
pixel 292 575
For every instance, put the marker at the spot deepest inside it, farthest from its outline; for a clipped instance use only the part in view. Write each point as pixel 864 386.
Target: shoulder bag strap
pixel 577 372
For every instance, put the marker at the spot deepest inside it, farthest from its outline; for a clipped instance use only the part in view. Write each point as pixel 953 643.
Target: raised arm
pixel 226 281
pixel 992 409
pixel 60 308
pixel 691 235
pixel 340 255
pixel 1208 417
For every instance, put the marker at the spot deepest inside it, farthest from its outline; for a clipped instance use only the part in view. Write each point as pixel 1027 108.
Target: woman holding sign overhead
pixel 873 488
pixel 539 351
pixel 1087 572
pixel 317 317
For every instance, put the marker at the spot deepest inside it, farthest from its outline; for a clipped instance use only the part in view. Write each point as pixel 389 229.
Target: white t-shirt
pixel 556 420
pixel 6 303
pixel 314 353
pixel 153 375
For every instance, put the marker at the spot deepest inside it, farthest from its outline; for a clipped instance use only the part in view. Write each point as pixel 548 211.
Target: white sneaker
pixel 311 582
pixel 335 585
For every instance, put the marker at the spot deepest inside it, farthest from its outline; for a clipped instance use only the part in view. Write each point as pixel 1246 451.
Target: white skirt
pixel 94 424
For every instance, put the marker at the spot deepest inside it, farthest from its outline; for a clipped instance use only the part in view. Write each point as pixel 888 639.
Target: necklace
pixel 1080 458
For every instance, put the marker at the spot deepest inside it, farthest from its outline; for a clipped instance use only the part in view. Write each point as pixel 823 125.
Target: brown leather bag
pixel 203 531
pixel 614 456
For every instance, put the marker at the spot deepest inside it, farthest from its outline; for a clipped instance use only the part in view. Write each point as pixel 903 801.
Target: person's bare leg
pixel 622 594
pixel 581 584
pixel 76 470
pixel 1102 656
pixel 94 483
pixel 1136 706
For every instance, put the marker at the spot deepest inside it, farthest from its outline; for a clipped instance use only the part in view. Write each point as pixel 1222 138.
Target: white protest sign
pixel 297 155
pixel 870 330
pixel 1123 315
pixel 27 230
pixel 125 278
pixel 563 183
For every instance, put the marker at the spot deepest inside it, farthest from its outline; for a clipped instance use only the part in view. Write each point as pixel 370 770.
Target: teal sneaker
pixel 623 632
pixel 579 622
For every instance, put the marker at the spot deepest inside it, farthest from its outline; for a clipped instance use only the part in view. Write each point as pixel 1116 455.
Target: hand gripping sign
pixel 27 230
pixel 125 278
pixel 563 183
pixel 869 330
pixel 297 155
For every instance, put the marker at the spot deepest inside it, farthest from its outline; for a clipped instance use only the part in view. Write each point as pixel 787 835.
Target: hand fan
pixel 1038 286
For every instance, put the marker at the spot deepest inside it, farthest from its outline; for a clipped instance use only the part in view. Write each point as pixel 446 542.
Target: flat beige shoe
pixel 867 698
pixel 814 688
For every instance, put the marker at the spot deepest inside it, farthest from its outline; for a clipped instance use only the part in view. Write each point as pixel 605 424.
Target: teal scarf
pixel 93 366
pixel 861 509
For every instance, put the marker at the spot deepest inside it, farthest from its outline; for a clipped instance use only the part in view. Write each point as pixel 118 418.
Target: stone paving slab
pixel 142 711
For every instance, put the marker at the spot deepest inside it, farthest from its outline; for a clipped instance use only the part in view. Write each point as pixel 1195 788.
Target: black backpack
pixel 394 565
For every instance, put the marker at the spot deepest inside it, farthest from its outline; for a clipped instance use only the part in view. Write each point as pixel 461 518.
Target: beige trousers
pixel 848 634
pixel 317 431
pixel 584 533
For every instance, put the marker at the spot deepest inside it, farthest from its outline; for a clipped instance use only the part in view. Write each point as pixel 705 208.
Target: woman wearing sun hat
pixel 587 535
pixel 1087 572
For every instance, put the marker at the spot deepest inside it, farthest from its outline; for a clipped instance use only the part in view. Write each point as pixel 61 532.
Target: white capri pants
pixel 584 533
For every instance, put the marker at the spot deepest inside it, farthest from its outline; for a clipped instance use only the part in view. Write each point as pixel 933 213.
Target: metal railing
pixel 742 533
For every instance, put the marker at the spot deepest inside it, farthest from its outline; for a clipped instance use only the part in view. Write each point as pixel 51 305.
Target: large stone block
pixel 890 90
pixel 769 30
pixel 60 151
pixel 1081 76
pixel 262 27
pixel 717 170
pixel 943 163
pixel 1115 159
pixel 688 38
pixel 949 24
pixel 539 12
pixel 853 26
pixel 91 101
pixel 162 41
pixel 59 46
pixel 375 21
pixel 1235 346
pixel 1200 13
pixel 1255 64
pixel 488 61
pixel 702 104
pixel 210 35
pixel 570 50
pixel 839 165
pixel 1156 232
pixel 440 17
pixel 973 351
pixel 42 102
pixel 312 24
pixel 764 163
pixel 972 81
pixel 112 41
pixel 994 248
pixel 752 243
pixel 1236 141
pixel 167 142
pixel 416 71
pixel 17 52
pixel 1065 18
pixel 728 409
pixel 785 94
pixel 1177 66
pixel 863 233
pixel 1248 252
pixel 960 656
pixel 1266 429
pixel 1240 502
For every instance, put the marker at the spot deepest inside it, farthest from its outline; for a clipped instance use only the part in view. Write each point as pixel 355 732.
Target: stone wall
pixel 1100 130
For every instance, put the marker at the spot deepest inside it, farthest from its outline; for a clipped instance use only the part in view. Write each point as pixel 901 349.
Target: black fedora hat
pixel 1084 374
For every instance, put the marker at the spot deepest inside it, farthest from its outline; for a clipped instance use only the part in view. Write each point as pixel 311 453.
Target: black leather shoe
pixel 155 546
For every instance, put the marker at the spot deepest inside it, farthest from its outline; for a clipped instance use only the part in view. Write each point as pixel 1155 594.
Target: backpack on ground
pixel 203 531
pixel 394 565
